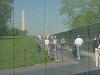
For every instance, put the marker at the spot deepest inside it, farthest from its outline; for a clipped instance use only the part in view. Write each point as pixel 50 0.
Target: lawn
pixel 19 52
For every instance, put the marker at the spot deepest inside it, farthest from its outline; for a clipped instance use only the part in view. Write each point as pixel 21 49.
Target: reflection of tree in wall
pixel 80 13
pixel 24 33
pixel 5 15
pixel 15 32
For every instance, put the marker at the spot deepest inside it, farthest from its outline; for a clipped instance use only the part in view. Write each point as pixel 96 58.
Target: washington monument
pixel 23 21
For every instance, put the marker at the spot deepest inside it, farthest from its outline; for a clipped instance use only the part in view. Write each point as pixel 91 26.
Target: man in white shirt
pixel 78 43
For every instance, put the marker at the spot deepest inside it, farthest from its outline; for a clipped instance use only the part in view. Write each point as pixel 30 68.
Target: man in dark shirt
pixel 94 43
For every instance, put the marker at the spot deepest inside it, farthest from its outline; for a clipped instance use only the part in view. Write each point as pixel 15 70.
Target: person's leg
pixel 78 51
pixel 46 47
pixel 99 59
pixel 62 52
pixel 96 57
pixel 55 50
pixel 61 46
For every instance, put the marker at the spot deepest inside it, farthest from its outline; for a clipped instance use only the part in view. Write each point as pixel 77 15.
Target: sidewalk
pixel 69 66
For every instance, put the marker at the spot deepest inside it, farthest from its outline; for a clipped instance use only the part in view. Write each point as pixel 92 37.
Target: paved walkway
pixel 69 66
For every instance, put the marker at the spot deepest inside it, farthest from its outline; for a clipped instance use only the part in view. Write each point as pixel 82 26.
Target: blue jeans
pixel 78 50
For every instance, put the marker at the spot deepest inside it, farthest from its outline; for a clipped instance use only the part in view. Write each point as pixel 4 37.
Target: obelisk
pixel 23 21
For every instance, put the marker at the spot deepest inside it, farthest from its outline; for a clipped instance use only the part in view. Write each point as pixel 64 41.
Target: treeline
pixel 12 32
pixel 87 33
pixel 15 32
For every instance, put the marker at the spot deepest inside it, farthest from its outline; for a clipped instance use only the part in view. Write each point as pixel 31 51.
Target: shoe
pixel 78 58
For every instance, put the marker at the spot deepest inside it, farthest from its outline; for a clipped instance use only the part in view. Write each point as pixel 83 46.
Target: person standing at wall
pixel 47 43
pixel 62 43
pixel 62 47
pixel 55 46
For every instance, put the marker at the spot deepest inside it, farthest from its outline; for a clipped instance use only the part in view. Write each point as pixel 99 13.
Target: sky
pixel 39 19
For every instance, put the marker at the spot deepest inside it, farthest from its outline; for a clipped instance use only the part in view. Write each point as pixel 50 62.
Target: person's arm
pixel 82 40
pixel 75 42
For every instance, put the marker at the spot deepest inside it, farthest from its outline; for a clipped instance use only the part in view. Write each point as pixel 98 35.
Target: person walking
pixel 78 43
pixel 62 47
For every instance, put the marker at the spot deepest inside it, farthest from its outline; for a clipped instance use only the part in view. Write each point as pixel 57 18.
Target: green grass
pixel 19 52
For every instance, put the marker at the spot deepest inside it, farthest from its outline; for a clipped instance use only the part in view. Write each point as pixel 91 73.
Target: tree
pixel 95 5
pixel 83 20
pixel 5 14
pixel 78 12
pixel 24 33
pixel 15 32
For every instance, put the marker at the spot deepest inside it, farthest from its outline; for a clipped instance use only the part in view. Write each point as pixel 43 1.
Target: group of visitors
pixel 95 46
pixel 51 43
